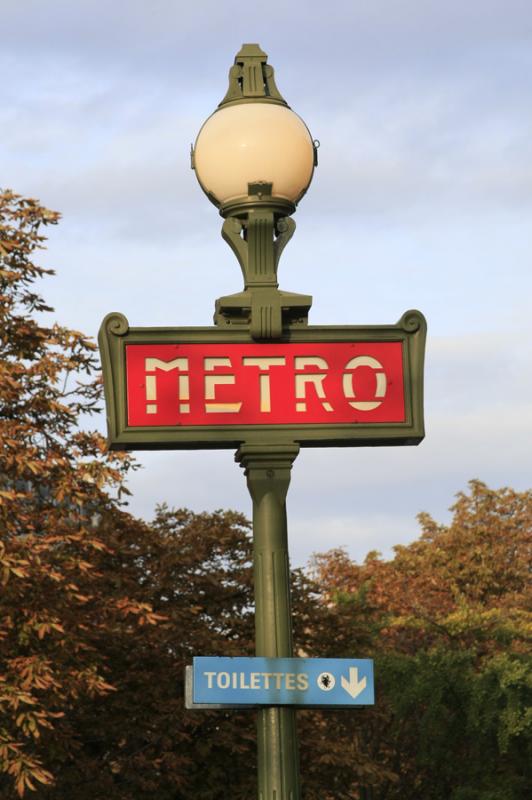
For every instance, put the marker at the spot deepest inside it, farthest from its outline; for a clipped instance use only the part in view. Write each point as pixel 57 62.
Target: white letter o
pixel 380 391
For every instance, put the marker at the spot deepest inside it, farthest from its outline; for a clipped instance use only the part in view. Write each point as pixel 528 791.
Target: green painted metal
pixel 257 230
pixel 251 79
pixel 267 468
pixel 115 334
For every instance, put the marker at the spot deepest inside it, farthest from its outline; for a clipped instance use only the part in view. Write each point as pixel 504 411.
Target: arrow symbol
pixel 353 686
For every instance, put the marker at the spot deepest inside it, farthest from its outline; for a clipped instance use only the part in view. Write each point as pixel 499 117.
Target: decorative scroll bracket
pixel 257 231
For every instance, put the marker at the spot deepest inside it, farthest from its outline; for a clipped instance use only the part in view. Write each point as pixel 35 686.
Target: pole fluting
pixel 267 469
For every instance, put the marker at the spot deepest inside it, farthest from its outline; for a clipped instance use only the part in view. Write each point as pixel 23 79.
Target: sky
pixel 422 199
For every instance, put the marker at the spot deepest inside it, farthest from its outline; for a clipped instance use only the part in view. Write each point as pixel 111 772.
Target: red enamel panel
pixel 265 384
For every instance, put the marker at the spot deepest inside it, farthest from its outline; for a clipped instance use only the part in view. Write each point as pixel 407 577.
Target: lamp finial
pixel 251 79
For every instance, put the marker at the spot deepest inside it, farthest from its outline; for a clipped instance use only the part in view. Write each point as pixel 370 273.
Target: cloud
pixel 418 105
pixel 359 535
pixel 197 480
pixel 422 199
pixel 358 40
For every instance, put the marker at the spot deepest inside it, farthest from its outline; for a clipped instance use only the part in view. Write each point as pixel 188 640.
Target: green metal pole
pixel 267 469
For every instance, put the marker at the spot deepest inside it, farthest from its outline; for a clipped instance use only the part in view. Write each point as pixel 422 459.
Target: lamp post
pixel 264 382
pixel 254 158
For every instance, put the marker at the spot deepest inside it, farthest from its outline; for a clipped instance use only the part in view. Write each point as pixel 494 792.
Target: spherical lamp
pixel 254 143
pixel 254 158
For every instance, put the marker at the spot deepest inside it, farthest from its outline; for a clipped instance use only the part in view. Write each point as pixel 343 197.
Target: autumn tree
pixel 91 692
pixel 56 484
pixel 448 622
pixel 139 741
pixel 91 689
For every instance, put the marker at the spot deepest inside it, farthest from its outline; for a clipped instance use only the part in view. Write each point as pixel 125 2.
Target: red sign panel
pixel 264 384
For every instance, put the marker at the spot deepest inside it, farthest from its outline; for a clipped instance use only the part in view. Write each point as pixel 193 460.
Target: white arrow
pixel 353 686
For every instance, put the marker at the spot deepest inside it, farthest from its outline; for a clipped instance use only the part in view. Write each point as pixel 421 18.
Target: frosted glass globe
pixel 251 142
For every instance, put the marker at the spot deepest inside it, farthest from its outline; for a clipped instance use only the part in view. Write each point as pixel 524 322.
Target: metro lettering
pixel 290 384
pixel 210 383
pixel 364 361
pixel 315 379
pixel 264 377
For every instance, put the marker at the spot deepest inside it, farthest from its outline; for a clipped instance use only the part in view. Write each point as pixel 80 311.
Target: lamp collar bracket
pixel 257 228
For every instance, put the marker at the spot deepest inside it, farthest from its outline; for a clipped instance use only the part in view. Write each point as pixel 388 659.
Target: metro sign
pixel 206 387
pixel 259 384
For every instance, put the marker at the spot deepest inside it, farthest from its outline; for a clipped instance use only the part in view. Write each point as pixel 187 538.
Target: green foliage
pixel 448 621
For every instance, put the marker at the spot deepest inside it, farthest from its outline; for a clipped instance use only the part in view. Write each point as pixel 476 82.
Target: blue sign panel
pixel 283 681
